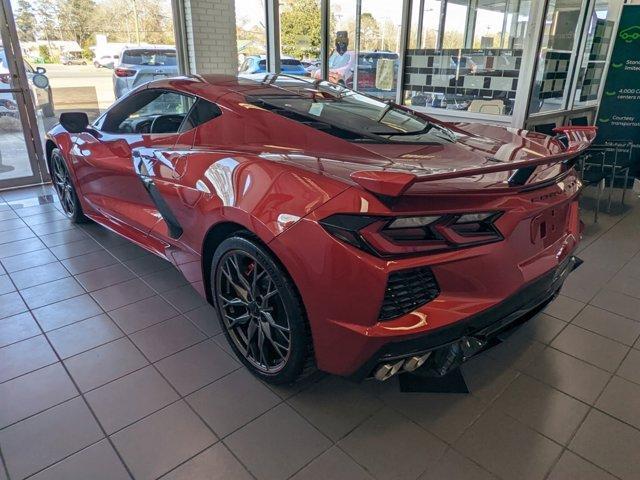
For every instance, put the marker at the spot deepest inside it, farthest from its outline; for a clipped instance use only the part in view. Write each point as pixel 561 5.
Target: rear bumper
pixel 484 326
pixel 343 289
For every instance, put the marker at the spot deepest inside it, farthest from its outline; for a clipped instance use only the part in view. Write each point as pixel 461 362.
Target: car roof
pixel 149 47
pixel 264 57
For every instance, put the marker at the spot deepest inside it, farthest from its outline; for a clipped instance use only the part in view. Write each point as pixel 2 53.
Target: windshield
pixel 150 57
pixel 347 114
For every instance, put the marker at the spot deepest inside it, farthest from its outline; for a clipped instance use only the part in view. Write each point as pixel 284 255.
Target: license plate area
pixel 549 225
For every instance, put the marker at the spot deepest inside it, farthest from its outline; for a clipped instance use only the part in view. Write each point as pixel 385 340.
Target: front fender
pixel 62 140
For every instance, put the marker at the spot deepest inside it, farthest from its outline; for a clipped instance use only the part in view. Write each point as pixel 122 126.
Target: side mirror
pixel 74 122
pixel 41 70
pixel 40 81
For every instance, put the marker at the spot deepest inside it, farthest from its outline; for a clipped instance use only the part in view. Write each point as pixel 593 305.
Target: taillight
pixel 347 228
pixel 392 236
pixel 124 72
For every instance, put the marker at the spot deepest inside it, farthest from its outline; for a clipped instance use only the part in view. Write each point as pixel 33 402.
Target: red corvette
pixel 329 229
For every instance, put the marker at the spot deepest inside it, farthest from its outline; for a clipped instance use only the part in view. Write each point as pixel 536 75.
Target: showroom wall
pixel 210 36
pixel 456 59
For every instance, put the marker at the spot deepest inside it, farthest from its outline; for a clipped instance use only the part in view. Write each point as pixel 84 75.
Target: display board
pixel 475 80
pixel 619 114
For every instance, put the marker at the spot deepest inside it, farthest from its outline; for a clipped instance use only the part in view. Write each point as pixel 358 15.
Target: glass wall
pixel 251 36
pixel 14 158
pixel 425 23
pixel 15 164
pixel 599 32
pixel 453 34
pixel 479 65
pixel 342 43
pixel 78 56
pixel 459 56
pixel 300 36
pixel 94 52
pixel 364 42
pixel 559 45
pixel 379 49
pixel 499 24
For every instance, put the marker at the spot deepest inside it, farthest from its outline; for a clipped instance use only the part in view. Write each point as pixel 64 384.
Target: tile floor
pixel 111 368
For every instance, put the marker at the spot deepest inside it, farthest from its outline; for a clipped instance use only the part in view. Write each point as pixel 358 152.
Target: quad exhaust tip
pixel 387 370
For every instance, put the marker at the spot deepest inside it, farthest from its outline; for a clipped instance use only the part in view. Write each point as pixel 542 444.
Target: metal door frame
pixel 26 108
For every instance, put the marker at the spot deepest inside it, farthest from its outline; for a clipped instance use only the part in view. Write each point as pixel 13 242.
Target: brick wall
pixel 211 36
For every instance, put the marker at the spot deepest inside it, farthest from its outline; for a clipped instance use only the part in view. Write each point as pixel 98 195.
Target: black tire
pixel 64 187
pixel 281 314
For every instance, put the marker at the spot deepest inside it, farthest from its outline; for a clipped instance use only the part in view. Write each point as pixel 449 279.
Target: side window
pixel 202 112
pixel 149 111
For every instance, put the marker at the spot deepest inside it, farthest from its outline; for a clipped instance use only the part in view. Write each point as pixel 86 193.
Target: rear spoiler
pixel 393 183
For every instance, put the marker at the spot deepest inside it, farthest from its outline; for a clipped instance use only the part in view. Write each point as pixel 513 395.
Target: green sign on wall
pixel 619 114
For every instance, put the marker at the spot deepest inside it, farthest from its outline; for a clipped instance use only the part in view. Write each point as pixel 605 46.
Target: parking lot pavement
pixel 80 86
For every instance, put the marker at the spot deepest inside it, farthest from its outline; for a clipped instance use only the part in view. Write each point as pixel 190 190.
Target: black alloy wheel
pixel 260 311
pixel 64 188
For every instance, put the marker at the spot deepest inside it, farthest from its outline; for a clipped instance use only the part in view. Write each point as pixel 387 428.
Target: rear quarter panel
pixel 209 187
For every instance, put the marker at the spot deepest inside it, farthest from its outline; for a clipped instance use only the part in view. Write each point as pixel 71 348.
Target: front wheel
pixel 260 311
pixel 65 189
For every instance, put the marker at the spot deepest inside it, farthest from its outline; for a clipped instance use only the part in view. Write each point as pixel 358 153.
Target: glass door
pixel 21 155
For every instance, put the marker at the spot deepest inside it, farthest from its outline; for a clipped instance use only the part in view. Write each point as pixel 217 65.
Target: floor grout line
pixel 95 417
pixel 3 464
pixel 180 397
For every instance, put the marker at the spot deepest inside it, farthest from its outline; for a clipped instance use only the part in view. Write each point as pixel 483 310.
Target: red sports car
pixel 329 229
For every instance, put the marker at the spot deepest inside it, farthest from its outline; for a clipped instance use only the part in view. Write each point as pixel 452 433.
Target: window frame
pixel 616 8
pixel 99 123
pixel 191 111
pixel 578 46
